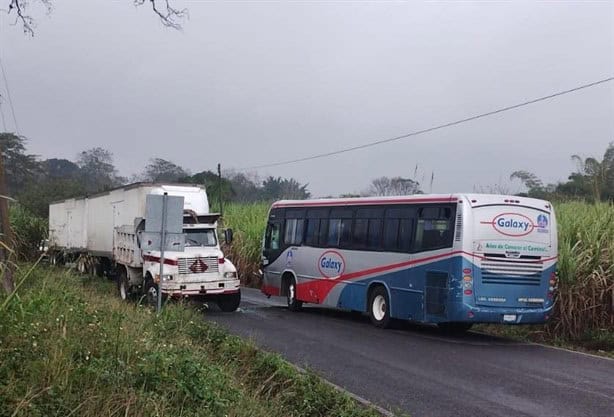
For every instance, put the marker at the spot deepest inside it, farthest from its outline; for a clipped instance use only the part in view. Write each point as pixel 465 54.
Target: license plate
pixel 509 317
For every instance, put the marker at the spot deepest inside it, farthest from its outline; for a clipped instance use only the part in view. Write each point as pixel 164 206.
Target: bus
pixel 451 260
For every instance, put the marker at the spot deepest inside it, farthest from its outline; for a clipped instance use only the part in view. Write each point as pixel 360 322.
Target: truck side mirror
pixel 228 236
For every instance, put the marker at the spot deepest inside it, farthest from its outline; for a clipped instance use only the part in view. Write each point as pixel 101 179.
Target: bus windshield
pixel 200 237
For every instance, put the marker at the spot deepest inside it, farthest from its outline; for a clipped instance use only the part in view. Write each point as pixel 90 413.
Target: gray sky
pixel 250 83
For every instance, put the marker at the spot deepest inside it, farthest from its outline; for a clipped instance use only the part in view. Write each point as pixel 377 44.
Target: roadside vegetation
pixel 70 347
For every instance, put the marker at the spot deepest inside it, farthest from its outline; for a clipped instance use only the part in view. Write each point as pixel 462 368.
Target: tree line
pixel 593 180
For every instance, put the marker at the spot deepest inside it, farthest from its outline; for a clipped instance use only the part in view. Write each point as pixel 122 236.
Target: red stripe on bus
pixel 316 290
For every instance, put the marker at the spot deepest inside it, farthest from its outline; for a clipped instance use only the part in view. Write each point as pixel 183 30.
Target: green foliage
pixel 586 269
pixel 161 170
pixel 248 222
pixel 29 231
pixel 19 167
pixel 69 347
pixel 97 170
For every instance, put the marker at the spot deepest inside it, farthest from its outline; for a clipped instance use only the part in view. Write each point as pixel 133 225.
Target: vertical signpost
pixel 163 232
pixel 162 240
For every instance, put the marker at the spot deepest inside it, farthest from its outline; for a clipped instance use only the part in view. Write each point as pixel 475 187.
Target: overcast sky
pixel 249 83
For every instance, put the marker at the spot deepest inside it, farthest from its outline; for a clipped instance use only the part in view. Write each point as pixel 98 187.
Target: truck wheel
pixel 151 293
pixel 229 302
pixel 123 286
pixel 379 307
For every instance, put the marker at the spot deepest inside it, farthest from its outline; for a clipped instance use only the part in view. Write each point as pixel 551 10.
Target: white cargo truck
pixel 102 235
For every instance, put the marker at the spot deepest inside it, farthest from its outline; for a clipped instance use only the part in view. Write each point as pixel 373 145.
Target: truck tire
pixel 229 302
pixel 150 291
pixel 123 286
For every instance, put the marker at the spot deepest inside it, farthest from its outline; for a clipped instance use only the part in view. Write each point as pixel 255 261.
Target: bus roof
pixel 475 200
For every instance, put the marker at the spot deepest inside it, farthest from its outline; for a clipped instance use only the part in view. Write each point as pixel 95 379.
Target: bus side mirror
pixel 228 236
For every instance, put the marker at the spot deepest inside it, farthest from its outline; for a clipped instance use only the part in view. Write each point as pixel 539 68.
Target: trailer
pixel 103 234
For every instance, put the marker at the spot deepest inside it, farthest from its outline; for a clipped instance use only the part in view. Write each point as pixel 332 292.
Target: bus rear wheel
pixel 293 303
pixel 379 307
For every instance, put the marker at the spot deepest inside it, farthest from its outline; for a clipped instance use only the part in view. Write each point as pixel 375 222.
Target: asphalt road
pixel 417 370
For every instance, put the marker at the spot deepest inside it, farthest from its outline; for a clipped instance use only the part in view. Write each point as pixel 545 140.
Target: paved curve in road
pixel 419 371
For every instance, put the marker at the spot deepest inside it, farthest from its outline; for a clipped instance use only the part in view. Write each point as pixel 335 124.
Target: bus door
pixel 432 244
pixel 272 250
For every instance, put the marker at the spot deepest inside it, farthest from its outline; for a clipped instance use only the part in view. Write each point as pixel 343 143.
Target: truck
pixel 102 234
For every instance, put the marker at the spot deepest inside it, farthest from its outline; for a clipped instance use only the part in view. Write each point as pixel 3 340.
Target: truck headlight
pixel 230 275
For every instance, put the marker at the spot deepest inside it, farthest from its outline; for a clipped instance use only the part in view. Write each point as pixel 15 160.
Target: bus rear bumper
pixel 505 315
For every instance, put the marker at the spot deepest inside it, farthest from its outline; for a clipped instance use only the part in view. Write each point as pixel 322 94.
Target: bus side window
pixel 273 236
pixel 294 231
pixel 434 228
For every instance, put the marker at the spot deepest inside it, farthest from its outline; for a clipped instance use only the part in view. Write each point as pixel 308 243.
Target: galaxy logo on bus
pixel 512 224
pixel 331 264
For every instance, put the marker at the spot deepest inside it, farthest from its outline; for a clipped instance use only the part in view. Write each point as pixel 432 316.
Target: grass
pixel 584 308
pixel 248 221
pixel 70 347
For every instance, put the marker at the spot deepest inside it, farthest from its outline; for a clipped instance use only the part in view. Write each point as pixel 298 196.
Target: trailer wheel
pixel 229 302
pixel 123 286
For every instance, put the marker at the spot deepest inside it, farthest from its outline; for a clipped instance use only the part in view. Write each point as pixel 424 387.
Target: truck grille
pixel 187 266
pixel 526 270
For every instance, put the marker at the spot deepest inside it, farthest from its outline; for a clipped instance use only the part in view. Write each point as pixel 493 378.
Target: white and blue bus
pixel 451 260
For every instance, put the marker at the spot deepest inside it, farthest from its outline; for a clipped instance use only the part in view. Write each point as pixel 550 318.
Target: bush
pixel 29 231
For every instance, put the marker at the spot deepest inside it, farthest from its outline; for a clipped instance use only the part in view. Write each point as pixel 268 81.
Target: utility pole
pixel 219 186
pixel 6 234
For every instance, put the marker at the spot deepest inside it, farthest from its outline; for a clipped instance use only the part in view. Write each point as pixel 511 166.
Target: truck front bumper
pixel 200 288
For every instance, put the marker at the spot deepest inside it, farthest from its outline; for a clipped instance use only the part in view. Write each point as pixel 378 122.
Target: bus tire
pixel 123 286
pixel 229 302
pixel 454 328
pixel 379 307
pixel 290 290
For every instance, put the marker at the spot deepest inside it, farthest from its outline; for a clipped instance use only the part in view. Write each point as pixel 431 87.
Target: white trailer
pixel 102 233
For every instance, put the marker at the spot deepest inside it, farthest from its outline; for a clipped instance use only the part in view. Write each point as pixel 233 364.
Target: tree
pixel 160 169
pixel 212 184
pixel 60 168
pixel 599 175
pixel 385 186
pixel 19 166
pixel 284 188
pixel 169 16
pixel 97 170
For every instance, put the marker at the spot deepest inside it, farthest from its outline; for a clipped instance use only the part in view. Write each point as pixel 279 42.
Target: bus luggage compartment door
pixel 436 297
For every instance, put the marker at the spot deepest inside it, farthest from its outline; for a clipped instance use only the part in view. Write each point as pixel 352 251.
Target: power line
pixel 430 129
pixel 8 93
pixel 2 114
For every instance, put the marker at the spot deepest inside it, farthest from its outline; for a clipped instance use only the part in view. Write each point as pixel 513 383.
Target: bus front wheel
pixel 293 303
pixel 379 307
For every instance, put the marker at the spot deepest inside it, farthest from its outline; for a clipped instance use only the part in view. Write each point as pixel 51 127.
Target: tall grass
pixel 29 230
pixel 69 347
pixel 585 300
pixel 248 222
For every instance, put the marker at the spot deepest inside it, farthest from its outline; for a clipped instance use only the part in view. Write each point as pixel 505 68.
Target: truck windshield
pixel 200 237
